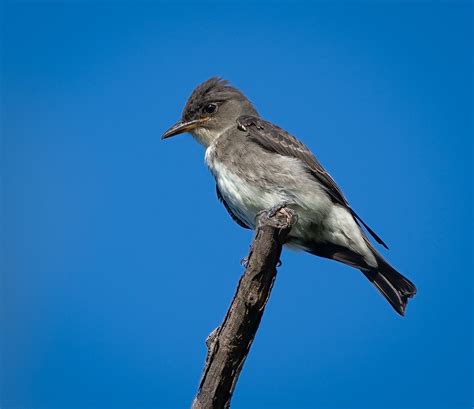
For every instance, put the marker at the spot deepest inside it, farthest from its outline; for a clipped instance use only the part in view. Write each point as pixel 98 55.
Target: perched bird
pixel 259 166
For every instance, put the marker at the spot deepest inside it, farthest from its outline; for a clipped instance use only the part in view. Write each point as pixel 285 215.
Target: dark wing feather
pixel 229 210
pixel 275 139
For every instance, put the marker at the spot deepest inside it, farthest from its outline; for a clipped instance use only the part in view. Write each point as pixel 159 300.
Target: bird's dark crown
pixel 214 89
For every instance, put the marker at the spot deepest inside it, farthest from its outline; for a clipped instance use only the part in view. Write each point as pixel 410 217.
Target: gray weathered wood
pixel 229 344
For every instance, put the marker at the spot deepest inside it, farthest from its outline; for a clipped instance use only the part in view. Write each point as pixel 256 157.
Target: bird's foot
pixel 275 209
pixel 280 215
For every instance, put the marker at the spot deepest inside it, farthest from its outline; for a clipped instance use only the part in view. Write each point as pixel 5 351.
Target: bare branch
pixel 229 344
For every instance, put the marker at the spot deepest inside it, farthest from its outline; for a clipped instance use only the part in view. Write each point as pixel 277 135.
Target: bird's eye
pixel 210 108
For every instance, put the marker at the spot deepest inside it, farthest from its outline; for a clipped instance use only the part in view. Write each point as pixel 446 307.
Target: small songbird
pixel 259 166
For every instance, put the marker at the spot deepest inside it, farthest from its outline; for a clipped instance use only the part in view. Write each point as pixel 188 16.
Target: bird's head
pixel 212 108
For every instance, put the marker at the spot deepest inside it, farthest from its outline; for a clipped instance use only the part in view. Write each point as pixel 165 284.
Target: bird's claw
pixel 275 209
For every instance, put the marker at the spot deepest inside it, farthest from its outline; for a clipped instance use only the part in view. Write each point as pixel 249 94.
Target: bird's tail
pixel 396 288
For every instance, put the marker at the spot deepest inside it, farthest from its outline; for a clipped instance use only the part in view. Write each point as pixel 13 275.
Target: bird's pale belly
pixel 246 199
pixel 248 194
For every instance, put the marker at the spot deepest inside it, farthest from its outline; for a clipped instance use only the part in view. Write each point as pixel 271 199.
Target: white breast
pixel 245 199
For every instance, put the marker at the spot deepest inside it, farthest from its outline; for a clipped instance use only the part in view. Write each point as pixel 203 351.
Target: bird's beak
pixel 182 126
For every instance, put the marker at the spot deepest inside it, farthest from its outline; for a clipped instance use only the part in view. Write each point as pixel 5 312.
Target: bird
pixel 259 166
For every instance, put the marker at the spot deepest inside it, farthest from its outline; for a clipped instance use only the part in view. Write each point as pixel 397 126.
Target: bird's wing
pixel 275 139
pixel 229 210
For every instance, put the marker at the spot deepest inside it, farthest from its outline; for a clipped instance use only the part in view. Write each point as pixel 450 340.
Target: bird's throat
pixel 204 136
pixel 207 137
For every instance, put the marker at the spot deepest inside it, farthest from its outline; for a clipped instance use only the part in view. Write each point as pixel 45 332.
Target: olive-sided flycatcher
pixel 259 166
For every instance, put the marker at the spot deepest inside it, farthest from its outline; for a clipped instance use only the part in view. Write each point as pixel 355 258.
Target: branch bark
pixel 229 344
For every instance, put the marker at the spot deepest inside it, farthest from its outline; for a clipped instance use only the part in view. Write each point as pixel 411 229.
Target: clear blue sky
pixel 118 259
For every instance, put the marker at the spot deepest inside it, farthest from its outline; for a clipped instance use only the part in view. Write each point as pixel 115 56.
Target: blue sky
pixel 117 258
